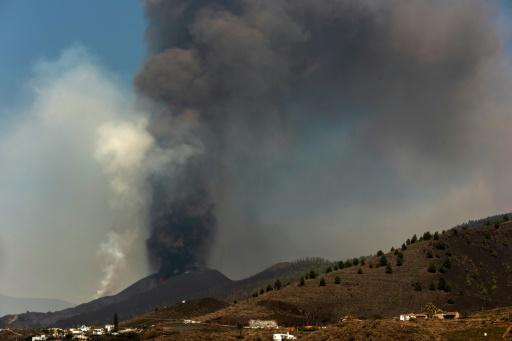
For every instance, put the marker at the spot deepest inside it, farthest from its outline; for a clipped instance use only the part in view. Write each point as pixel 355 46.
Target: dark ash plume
pixel 284 94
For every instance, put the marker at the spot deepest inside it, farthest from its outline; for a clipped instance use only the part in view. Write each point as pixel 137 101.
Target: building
pixel 109 328
pixel 263 324
pixel 281 337
pixel 451 315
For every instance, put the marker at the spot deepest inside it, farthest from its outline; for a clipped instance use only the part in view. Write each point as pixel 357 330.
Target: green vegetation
pixel 269 288
pixel 312 274
pixel 302 282
pixel 436 236
pixel 360 271
pixel 432 286
pixel 383 260
pixel 341 265
pixel 322 282
pixel 404 247
pixel 337 280
pixel 329 269
pixel 277 285
pixel 450 301
pixel 414 239
pixel 399 259
pixel 432 267
pixel 355 261
pixel 380 253
pixel 255 294
pixel 427 236
pixel 417 286
pixel 429 254
pixel 389 269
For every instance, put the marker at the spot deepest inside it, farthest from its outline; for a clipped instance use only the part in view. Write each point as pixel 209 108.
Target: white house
pixel 39 338
pixel 109 328
pixel 281 337
pixel 97 332
pixel 407 317
pixel 263 324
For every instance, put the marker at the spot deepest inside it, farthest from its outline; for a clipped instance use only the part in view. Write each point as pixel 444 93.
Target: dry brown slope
pixel 479 276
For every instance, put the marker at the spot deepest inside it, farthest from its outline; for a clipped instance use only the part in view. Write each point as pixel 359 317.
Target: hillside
pixel 471 270
pixel 151 292
pixel 467 268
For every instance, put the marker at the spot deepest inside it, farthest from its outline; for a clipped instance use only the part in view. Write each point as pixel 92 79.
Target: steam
pixel 322 123
pixel 73 202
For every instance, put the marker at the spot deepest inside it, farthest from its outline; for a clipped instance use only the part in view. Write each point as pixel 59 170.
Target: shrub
pixel 312 274
pixel 432 267
pixel 255 294
pixel 337 280
pixel 404 247
pixel 362 261
pixel 392 249
pixel 447 264
pixel 408 241
pixel 370 265
pixel 262 291
pixel 348 263
pixel 340 264
pixel 441 284
pixel 450 301
pixel 427 236
pixel 388 269
pixel 414 239
pixel 380 253
pixel 399 261
pixel 360 271
pixel 383 260
pixel 328 270
pixel 505 217
pixel 432 286
pixel 417 286
pixel 269 288
pixel 395 252
pixel 429 254
pixel 355 261
pixel 440 245
pixel 448 253
pixel 302 282
pixel 436 236
pixel 277 285
pixel 322 282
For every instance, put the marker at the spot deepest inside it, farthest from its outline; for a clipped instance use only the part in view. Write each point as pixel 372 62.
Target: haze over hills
pixel 16 305
pixel 466 268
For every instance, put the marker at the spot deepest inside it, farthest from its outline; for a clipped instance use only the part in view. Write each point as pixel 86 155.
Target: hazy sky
pixel 67 68
pixel 73 145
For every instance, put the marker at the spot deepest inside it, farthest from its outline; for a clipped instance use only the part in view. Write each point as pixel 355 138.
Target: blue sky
pixel 30 30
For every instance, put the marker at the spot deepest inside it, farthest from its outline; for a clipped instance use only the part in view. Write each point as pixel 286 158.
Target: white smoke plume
pixel 74 165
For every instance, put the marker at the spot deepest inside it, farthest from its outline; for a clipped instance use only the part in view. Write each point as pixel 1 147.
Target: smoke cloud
pixel 74 166
pixel 328 127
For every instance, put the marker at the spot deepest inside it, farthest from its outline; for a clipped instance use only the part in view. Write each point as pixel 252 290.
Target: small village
pixel 83 333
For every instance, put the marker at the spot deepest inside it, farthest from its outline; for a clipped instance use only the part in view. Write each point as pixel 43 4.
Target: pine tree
pixel 116 322
pixel 277 285
pixel 302 282
pixel 388 269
